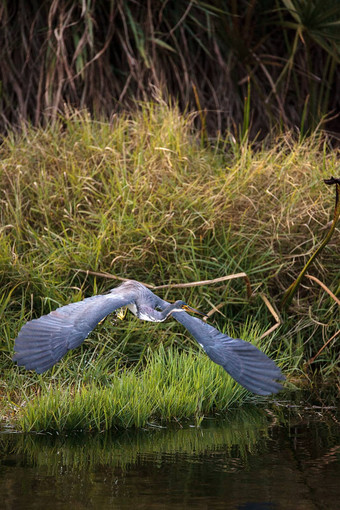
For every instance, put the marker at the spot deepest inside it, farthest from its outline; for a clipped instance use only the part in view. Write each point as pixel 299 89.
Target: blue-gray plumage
pixel 43 342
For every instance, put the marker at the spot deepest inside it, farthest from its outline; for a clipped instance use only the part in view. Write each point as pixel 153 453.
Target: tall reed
pixel 99 55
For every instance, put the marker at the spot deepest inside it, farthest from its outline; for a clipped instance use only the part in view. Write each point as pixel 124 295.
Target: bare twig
pixel 109 275
pixel 177 285
pixel 274 313
pixel 213 310
pixel 209 282
pixel 323 347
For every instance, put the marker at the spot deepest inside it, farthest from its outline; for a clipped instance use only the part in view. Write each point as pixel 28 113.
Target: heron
pixel 42 342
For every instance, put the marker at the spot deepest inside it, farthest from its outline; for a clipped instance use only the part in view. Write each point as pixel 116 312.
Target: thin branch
pixel 323 347
pixel 177 285
pixel 213 310
pixel 274 313
pixel 209 282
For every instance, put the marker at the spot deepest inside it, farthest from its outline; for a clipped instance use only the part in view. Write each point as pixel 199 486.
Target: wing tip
pixel 32 365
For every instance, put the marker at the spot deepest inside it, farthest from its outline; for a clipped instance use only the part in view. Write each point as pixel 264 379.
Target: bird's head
pixel 181 305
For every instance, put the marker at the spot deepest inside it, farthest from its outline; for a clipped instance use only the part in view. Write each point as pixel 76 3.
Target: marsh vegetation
pixel 144 197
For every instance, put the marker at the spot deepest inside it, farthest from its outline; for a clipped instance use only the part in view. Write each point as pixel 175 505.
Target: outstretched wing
pixel 44 341
pixel 242 360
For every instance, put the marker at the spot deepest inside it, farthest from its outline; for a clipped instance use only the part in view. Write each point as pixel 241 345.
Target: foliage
pixel 206 55
pixel 142 198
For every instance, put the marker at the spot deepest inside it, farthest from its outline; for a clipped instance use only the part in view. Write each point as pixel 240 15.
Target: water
pixel 253 460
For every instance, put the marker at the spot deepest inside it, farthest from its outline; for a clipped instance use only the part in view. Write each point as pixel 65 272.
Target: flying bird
pixel 42 342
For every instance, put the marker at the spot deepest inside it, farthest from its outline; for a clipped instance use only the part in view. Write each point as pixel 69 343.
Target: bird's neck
pixel 146 313
pixel 170 310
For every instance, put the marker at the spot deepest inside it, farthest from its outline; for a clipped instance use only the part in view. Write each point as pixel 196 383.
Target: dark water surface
pixel 252 460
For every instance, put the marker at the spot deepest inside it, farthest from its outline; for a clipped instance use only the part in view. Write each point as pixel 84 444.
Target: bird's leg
pixel 121 313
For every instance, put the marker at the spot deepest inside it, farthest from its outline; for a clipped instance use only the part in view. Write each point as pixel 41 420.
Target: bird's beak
pixel 188 308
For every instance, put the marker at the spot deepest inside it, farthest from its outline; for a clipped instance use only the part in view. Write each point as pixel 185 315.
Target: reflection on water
pixel 245 462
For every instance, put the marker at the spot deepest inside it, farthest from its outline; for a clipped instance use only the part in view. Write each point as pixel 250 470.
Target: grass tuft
pixel 173 385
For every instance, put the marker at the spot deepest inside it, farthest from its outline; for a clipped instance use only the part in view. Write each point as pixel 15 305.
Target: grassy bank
pixel 142 198
pixel 172 386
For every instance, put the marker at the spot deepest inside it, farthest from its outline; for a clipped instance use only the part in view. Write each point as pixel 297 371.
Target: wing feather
pixel 44 341
pixel 249 366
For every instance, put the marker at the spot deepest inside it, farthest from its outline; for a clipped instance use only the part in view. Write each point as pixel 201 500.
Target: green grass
pixel 143 198
pixel 172 386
